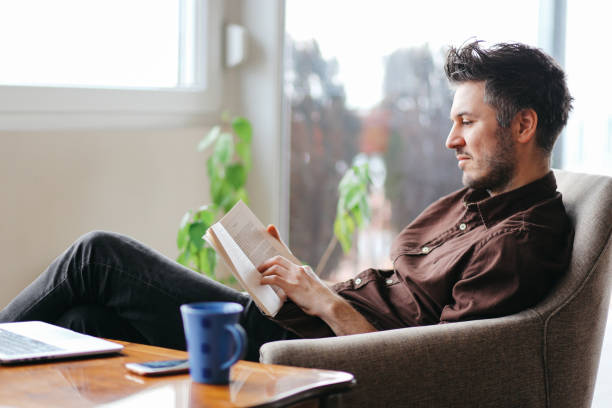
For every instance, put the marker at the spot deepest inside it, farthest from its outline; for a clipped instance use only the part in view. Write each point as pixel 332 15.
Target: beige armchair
pixel 546 356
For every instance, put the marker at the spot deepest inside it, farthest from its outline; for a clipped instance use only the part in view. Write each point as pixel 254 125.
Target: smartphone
pixel 159 367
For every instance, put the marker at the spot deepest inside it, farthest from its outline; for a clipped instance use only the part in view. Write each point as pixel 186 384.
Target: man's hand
pixel 311 294
pixel 299 283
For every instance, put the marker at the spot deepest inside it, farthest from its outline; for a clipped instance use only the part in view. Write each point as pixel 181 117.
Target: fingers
pixel 273 231
pixel 277 270
pixel 278 283
pixel 280 272
pixel 281 293
pixel 276 260
pixel 273 280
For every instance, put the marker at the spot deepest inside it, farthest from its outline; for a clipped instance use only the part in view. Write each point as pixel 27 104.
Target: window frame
pixel 36 107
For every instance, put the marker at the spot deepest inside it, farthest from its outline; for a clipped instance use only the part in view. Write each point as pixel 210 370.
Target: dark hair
pixel 516 77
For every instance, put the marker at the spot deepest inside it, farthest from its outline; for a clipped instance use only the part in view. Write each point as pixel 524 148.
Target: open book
pixel 243 243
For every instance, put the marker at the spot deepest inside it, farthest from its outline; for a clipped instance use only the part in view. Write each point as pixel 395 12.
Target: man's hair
pixel 516 77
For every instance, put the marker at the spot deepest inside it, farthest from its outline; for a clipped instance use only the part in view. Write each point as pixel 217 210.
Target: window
pixel 587 142
pixel 110 56
pixel 86 43
pixel 365 82
pixel 586 145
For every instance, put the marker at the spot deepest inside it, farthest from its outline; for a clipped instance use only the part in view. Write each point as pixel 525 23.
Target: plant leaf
pixel 364 209
pixel 352 210
pixel 244 152
pixel 224 148
pixel 236 175
pixel 185 219
pixel 209 139
pixel 221 192
pixel 229 201
pixel 211 165
pixel 347 180
pixel 203 261
pixel 212 259
pixel 181 238
pixel 183 232
pixel 205 215
pixel 241 194
pixel 243 129
pixel 358 216
pixel 181 258
pixel 343 228
pixel 353 195
pixel 196 231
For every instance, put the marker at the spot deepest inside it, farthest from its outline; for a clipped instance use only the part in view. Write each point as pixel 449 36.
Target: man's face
pixel 485 151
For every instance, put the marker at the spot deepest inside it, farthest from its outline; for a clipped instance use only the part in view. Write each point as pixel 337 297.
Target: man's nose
pixel 454 139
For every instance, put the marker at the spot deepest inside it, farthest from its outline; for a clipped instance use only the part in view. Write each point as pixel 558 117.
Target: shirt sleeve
pixel 507 274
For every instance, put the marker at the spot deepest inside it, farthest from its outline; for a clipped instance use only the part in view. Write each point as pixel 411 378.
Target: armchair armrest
pixel 492 362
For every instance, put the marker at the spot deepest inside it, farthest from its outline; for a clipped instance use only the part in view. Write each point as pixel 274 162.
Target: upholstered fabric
pixel 546 356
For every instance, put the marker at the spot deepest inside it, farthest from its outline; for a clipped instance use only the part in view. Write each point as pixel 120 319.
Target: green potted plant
pixel 352 212
pixel 227 167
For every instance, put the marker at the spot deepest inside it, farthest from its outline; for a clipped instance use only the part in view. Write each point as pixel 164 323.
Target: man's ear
pixel 525 123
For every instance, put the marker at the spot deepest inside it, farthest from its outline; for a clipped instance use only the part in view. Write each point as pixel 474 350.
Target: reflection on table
pixel 105 382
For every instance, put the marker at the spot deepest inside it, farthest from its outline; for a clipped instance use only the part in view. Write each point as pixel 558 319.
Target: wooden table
pixel 104 381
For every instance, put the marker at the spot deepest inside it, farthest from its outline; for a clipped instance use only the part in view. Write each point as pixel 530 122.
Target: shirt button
pixel 357 281
pixel 389 281
pixel 462 227
pixel 425 250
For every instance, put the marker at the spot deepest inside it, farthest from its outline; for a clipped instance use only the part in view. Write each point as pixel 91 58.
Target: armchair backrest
pixel 574 314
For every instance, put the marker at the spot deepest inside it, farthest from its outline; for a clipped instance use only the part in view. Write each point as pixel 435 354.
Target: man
pixel 490 249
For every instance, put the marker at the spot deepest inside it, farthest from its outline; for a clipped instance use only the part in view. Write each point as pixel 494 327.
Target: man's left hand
pixel 299 283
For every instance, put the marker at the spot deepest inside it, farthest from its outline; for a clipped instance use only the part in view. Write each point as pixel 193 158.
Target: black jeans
pixel 109 285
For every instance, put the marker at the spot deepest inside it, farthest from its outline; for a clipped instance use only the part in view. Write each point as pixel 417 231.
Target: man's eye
pixel 466 122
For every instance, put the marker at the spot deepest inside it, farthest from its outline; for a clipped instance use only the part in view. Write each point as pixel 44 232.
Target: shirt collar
pixel 498 207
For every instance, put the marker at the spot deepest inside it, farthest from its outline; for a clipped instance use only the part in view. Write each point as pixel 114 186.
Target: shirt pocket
pixel 424 250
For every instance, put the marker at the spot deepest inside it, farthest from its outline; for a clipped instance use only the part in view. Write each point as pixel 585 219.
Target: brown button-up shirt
pixel 467 256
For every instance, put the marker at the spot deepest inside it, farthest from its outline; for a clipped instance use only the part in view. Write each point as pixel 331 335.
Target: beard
pixel 498 166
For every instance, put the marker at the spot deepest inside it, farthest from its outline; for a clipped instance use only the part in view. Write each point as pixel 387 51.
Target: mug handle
pixel 239 336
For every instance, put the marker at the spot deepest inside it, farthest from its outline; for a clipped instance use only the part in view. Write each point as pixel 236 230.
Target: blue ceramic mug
pixel 215 339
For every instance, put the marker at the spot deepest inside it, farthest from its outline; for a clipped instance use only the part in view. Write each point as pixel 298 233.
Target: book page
pixel 251 236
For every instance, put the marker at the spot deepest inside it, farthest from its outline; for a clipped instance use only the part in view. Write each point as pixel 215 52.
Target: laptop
pixel 30 341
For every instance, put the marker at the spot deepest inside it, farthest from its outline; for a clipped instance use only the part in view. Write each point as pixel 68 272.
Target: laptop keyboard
pixel 14 344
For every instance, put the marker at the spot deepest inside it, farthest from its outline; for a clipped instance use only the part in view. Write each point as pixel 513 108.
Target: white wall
pixel 57 186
